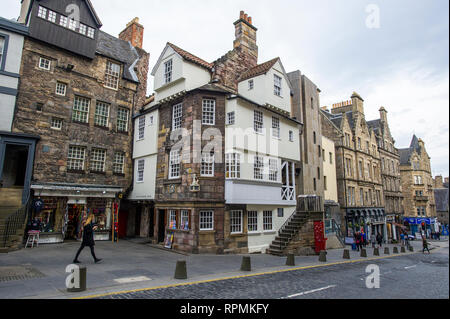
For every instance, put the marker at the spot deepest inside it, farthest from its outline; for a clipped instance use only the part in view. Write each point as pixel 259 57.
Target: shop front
pixel 62 209
pixel 416 226
pixel 371 221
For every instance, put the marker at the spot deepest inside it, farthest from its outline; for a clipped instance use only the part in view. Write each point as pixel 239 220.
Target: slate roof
pixel 120 50
pixel 405 153
pixel 190 57
pixel 258 70
pixel 441 198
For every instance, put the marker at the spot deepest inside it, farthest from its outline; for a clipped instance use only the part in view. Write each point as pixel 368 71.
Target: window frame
pixel 233 165
pixel 265 218
pixel 80 150
pixel 100 118
pixel 174 164
pixel 121 121
pixel 258 168
pixel 4 39
pixel 276 127
pixel 58 86
pixel 231 118
pixel 80 110
pixel 49 64
pixel 140 170
pixel 177 116
pixel 207 220
pixel 141 128
pixel 278 86
pixel 168 71
pixel 59 120
pixel 258 121
pixel 236 222
pixel 252 221
pixel 208 111
pixel 93 160
pixel 207 165
pixel 117 163
pixel 112 75
pixel 273 170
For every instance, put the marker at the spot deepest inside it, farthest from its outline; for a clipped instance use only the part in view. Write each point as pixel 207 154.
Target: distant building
pixel 441 198
pixel 417 186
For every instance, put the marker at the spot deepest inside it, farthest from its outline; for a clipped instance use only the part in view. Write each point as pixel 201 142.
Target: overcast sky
pixel 402 65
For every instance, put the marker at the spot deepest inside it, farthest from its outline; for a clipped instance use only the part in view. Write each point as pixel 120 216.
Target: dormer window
pixel 72 24
pixel 82 29
pixel 63 21
pixel 112 75
pixel 168 71
pixel 51 16
pixel 277 85
pixel 251 84
pixel 91 33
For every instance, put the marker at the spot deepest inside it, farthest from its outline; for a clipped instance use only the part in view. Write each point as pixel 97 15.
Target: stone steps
pixel 10 197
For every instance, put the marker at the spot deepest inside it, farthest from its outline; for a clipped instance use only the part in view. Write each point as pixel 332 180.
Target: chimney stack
pixel 245 40
pixel 438 182
pixel 134 33
pixel 383 115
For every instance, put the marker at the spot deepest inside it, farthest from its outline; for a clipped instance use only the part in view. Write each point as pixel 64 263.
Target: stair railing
pixel 337 230
pixel 282 228
pixel 15 220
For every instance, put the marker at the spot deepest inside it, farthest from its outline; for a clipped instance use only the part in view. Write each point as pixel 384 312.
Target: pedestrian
pixel 406 240
pixel 364 239
pixel 438 235
pixel 380 240
pixel 425 245
pixel 88 238
pixel 358 240
pixel 402 238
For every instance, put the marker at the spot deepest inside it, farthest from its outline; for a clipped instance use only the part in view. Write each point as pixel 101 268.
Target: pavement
pixel 135 265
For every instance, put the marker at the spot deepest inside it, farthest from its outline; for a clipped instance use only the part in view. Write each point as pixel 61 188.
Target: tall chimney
pixel 358 104
pixel 383 115
pixel 438 182
pixel 246 37
pixel 134 33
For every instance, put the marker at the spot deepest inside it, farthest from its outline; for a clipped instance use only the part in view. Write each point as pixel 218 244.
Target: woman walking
pixel 425 245
pixel 88 238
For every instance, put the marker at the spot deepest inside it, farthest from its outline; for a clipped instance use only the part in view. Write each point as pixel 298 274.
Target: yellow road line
pixel 245 276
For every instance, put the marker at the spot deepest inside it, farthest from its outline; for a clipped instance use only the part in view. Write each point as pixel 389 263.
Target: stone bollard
pixel 180 270
pixel 323 256
pixel 386 250
pixel 363 252
pixel 403 250
pixel 76 282
pixel 395 250
pixel 246 264
pixel 376 252
pixel 346 254
pixel 411 248
pixel 290 260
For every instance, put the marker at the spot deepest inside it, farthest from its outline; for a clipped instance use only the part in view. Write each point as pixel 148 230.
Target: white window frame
pixel 42 12
pixel 2 48
pixel 206 220
pixel 112 75
pixel 61 89
pixel 141 128
pixel 98 160
pixel 273 170
pixel 236 222
pixel 258 121
pixel 258 168
pixel 45 64
pixel 184 217
pixel 266 219
pixel 208 112
pixel 277 83
pixel 231 118
pixel 72 24
pixel 90 33
pixel 76 158
pixel 252 221
pixel 140 169
pixel 51 16
pixel 172 218
pixel 276 130
pixel 207 165
pixel 101 116
pixel 80 110
pixel 168 69
pixel 122 120
pixel 83 29
pixel 56 123
pixel 251 84
pixel 177 116
pixel 291 136
pixel 174 164
pixel 63 21
pixel 233 165
pixel 119 162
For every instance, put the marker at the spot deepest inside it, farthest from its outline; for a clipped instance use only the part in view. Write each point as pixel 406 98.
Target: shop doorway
pixel 74 215
pixel 123 223
pixel 161 225
pixel 15 166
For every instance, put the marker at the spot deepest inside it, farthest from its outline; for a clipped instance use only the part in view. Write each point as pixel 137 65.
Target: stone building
pixel 390 174
pixel 417 186
pixel 360 188
pixel 79 90
pixel 216 150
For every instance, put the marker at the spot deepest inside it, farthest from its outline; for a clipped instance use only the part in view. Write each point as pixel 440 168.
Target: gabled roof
pixel 190 57
pixel 405 153
pixel 262 68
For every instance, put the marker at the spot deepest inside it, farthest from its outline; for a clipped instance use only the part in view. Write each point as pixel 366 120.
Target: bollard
pixel 363 253
pixel 403 250
pixel 376 252
pixel 246 264
pixel 346 254
pixel 79 279
pixel 323 256
pixel 386 250
pixel 180 270
pixel 395 250
pixel 411 248
pixel 290 260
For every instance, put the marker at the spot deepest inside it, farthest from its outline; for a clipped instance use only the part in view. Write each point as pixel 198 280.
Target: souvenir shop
pixel 367 220
pixel 60 211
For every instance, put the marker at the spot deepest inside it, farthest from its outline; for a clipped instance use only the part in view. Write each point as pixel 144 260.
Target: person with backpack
pixel 380 240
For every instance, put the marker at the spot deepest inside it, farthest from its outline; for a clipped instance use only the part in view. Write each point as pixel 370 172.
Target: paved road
pixel 415 276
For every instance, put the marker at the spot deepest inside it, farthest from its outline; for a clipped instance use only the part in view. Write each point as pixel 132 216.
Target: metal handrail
pixel 16 219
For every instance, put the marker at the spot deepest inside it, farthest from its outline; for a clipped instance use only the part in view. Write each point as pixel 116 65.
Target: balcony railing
pixel 288 193
pixel 421 198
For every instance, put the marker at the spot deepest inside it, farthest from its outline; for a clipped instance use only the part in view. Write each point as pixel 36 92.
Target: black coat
pixel 88 235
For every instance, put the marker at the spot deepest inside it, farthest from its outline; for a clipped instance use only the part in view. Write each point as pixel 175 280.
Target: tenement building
pixel 441 198
pixel 216 149
pixel 360 188
pixel 79 90
pixel 390 174
pixel 417 187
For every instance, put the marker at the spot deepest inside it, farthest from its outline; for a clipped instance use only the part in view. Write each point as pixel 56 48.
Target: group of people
pixel 436 235
pixel 361 240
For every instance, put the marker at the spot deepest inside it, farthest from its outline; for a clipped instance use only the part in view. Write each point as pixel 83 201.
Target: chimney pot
pixel 250 20
pixel 245 17
pixel 241 15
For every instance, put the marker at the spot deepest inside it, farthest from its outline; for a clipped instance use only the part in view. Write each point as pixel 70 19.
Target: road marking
pixel 310 292
pixel 131 279
pixel 411 267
